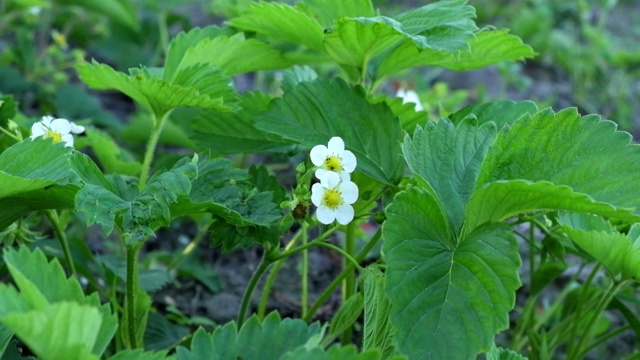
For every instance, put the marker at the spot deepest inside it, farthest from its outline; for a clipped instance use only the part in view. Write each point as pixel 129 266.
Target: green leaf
pixel 378 331
pixel 327 11
pixel 405 112
pixel 296 75
pixel 8 109
pixel 5 336
pixel 281 22
pixel 138 214
pixel 500 112
pixel 567 149
pixel 355 41
pixel 162 334
pixel 449 159
pixel 155 95
pixel 502 199
pixel 234 55
pixel 336 352
pixel 150 280
pixel 269 340
pixel 58 331
pixel 446 290
pixel 111 156
pixel 42 283
pixel 498 353
pixel 313 112
pixel 489 47
pixel 235 132
pixel 345 317
pixel 184 41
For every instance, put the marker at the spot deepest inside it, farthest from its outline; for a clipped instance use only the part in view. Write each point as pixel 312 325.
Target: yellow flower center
pixel 333 163
pixel 332 198
pixel 56 136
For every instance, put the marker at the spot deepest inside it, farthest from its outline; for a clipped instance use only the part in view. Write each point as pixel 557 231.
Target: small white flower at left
pixel 334 198
pixel 57 129
pixel 333 158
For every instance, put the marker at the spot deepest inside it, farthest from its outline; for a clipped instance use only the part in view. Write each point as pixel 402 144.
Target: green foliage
pixel 499 112
pixel 378 330
pixel 111 156
pixel 346 316
pixel 269 339
pixel 53 307
pixel 137 214
pixel 498 353
pixel 313 112
pixel 448 158
pixel 8 109
pixel 120 11
pixel 443 288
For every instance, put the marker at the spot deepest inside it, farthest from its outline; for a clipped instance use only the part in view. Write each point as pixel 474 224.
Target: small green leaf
pixel 498 353
pixel 5 336
pixel 567 149
pixel 405 112
pixel 446 290
pixel 449 159
pixel 269 340
pixel 296 75
pixel 154 94
pixel 63 330
pixel 378 330
pixel 489 47
pixel 162 334
pixel 111 156
pixel 500 112
pixel 8 109
pixel 345 317
pixel 281 22
pixel 313 112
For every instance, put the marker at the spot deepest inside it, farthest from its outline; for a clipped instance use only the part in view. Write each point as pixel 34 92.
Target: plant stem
pixel 338 280
pixel 132 289
pixel 285 254
pixel 265 262
pixel 579 306
pixel 151 148
pixel 304 296
pixel 52 215
pixel 579 352
pixel 348 287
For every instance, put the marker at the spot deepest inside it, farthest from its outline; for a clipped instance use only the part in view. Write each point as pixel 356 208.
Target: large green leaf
pixel 138 213
pixel 42 283
pixel 154 94
pixel 584 153
pixel 449 159
pixel 500 112
pixel 313 112
pixel 266 340
pixel 449 295
pixel 489 47
pixel 281 22
pixel 327 11
pixel 58 331
pixel 503 199
pixel 234 55
pixel 235 132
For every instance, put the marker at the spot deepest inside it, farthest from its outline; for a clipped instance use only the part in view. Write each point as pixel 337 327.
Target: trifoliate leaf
pixel 313 112
pixel 154 94
pixel 448 158
pixel 269 339
pixel 280 21
pixel 444 289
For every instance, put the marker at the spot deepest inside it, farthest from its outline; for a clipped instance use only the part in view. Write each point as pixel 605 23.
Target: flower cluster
pixel 57 129
pixel 335 193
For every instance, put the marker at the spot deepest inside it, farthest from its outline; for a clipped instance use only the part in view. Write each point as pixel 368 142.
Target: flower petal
pixel 62 126
pixel 344 214
pixel 329 179
pixel 349 161
pixel 336 145
pixel 68 140
pixel 349 192
pixel 46 120
pixel 344 176
pixel 38 129
pixel 317 192
pixel 318 154
pixel 76 129
pixel 325 215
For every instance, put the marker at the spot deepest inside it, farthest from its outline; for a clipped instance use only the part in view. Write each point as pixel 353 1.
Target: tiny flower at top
pixel 57 129
pixel 334 197
pixel 333 158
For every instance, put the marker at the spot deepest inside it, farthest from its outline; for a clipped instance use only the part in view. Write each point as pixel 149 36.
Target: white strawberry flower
pixel 410 96
pixel 333 198
pixel 57 129
pixel 333 158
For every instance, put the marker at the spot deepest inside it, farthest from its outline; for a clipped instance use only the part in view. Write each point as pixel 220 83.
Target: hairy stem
pixel 132 289
pixel 158 125
pixel 304 296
